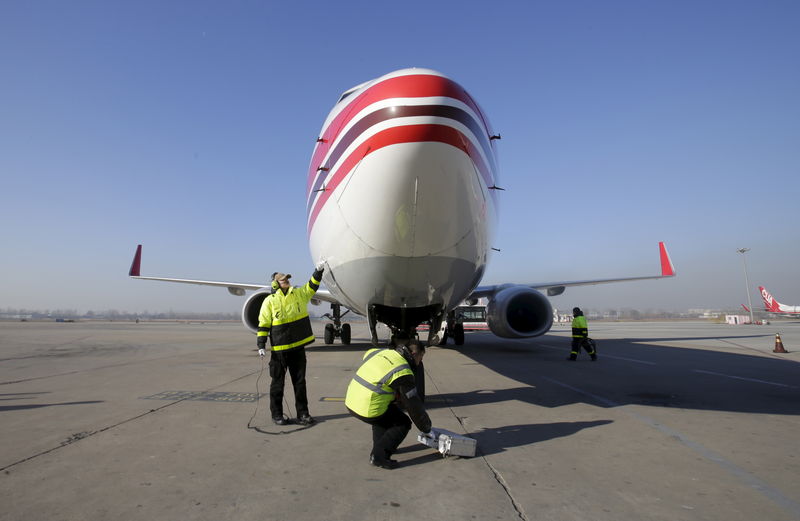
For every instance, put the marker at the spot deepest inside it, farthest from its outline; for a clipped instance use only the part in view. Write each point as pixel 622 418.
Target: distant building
pixel 15 316
pixel 705 313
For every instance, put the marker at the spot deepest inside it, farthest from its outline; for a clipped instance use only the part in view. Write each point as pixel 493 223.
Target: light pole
pixel 747 282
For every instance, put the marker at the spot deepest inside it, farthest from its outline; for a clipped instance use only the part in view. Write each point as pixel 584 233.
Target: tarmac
pixel 125 421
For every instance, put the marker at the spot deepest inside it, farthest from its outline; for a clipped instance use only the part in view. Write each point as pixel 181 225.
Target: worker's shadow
pixel 526 394
pixel 495 440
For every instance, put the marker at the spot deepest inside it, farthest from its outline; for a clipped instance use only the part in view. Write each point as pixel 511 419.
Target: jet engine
pixel 519 312
pixel 251 309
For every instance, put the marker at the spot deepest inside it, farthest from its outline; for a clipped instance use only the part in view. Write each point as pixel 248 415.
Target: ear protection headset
pixel 275 284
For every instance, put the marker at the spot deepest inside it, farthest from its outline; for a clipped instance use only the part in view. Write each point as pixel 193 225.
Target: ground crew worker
pixel 580 336
pixel 284 319
pixel 386 374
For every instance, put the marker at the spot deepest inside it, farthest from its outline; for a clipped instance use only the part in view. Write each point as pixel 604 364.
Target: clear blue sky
pixel 187 126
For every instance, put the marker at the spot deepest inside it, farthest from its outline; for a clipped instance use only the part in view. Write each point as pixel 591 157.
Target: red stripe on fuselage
pixel 409 86
pixel 397 135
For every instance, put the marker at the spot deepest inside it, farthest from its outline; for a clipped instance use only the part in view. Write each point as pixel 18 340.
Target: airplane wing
pixel 234 288
pixel 557 288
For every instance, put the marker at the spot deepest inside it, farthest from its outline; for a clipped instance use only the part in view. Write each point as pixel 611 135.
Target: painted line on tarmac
pixel 743 378
pixel 602 355
pixel 626 359
pixel 745 476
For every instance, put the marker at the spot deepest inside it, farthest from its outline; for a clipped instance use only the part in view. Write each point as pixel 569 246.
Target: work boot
pixel 280 420
pixel 382 463
pixel 572 358
pixel 305 419
pixel 594 357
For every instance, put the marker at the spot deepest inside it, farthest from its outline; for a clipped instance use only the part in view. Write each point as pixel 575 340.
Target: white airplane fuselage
pixel 401 203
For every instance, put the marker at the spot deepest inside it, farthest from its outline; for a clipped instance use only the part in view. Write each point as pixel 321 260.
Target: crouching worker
pixel 386 374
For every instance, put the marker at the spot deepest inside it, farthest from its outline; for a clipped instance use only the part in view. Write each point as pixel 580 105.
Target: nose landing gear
pixel 337 329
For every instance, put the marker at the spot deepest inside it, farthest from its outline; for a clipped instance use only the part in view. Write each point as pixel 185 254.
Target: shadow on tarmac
pixel 337 347
pixel 20 396
pixel 4 408
pixel 487 396
pixel 696 338
pixel 633 372
pixel 495 440
pixel 270 428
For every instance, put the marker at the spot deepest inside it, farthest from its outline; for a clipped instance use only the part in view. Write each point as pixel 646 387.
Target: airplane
pixel 773 306
pixel 401 205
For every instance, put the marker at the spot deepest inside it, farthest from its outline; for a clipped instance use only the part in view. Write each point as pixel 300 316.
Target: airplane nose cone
pixel 402 199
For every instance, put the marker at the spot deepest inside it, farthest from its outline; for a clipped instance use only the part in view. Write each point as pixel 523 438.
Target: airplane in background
pixel 401 204
pixel 773 306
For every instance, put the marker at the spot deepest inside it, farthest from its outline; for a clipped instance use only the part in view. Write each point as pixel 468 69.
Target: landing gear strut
pixel 337 329
pixel 434 330
pixel 373 325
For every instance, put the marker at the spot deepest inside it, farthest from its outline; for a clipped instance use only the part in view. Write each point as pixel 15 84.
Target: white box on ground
pixel 449 443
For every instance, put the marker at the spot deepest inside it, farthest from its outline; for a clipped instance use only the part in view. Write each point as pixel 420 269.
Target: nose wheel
pixel 337 329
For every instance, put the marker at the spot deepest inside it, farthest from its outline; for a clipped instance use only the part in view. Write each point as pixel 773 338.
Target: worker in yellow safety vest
pixel 284 320
pixel 386 375
pixel 580 336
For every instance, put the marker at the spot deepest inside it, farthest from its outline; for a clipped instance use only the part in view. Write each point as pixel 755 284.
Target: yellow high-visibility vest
pixel 580 329
pixel 284 318
pixel 369 393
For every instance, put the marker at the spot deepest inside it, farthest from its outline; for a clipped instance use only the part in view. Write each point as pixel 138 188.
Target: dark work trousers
pixel 293 360
pixel 577 343
pixel 388 431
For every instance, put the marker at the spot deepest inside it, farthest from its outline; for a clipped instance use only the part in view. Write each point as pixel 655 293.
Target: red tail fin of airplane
pixel 770 303
pixel 746 308
pixel 667 270
pixel 137 262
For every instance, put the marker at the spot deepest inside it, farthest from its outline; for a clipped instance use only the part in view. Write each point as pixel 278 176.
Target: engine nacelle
pixel 519 312
pixel 251 309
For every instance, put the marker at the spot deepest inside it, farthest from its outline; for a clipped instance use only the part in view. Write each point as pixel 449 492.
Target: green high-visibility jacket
pixel 284 318
pixel 369 393
pixel 580 329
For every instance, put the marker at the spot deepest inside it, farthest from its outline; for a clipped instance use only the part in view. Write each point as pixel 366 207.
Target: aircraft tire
pixel 329 333
pixel 345 335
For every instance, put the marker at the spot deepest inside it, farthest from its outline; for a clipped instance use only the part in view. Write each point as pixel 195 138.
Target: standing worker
pixel 284 319
pixel 386 374
pixel 580 336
